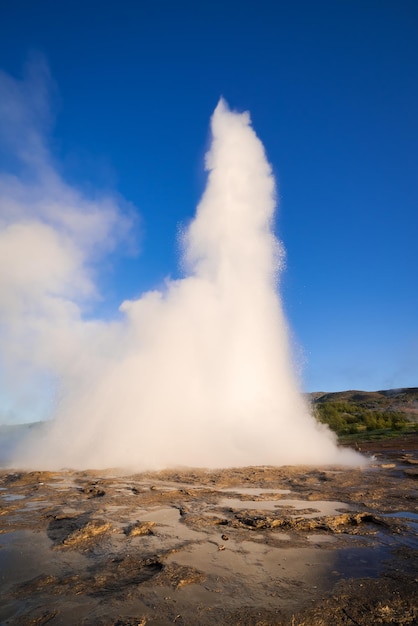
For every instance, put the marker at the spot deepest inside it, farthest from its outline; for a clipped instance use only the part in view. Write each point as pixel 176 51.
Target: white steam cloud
pixel 197 375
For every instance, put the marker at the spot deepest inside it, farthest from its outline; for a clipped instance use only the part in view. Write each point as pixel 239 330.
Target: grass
pixel 367 416
pixel 378 434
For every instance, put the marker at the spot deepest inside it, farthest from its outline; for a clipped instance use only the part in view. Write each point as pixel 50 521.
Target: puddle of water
pixel 111 509
pixel 409 515
pixel 254 491
pixel 410 518
pixel 170 518
pixel 12 497
pixel 37 504
pixel 270 576
pixel 361 562
pixel 321 507
pixel 279 576
pixel 316 539
pixel 278 537
pixel 158 485
pixel 25 554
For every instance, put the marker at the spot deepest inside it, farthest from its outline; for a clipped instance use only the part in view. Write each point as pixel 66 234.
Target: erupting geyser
pixel 199 374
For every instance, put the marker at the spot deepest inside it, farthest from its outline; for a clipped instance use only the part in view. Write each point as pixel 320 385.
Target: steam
pixel 198 374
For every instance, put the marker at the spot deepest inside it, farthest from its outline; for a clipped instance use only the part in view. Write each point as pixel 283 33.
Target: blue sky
pixel 332 88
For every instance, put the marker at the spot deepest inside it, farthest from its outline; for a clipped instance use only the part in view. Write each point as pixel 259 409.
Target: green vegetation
pixel 355 415
pixel 349 418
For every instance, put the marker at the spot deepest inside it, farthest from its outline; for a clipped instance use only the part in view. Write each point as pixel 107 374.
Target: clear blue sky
pixel 332 87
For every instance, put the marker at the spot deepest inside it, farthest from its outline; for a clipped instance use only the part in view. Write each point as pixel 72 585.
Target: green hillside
pixel 364 414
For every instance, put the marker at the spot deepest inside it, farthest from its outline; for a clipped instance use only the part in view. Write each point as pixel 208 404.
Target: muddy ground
pixel 250 546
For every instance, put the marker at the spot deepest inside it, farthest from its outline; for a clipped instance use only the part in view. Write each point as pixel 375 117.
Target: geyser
pixel 198 374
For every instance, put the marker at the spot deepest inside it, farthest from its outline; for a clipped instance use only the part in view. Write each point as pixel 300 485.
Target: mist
pixel 197 374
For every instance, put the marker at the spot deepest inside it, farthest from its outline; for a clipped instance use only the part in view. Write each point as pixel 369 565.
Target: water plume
pixel 197 374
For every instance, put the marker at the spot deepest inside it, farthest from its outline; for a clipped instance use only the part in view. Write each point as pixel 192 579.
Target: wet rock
pixel 411 473
pixel 364 602
pixel 39 618
pixel 86 533
pixel 139 528
pixel 28 478
pixel 77 531
pixel 344 523
pixel 178 576
pixel 93 491
pixel 72 557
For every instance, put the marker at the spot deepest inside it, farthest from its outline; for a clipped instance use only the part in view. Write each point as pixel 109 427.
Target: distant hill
pixel 365 412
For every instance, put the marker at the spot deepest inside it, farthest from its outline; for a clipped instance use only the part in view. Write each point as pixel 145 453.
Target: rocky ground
pixel 296 546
